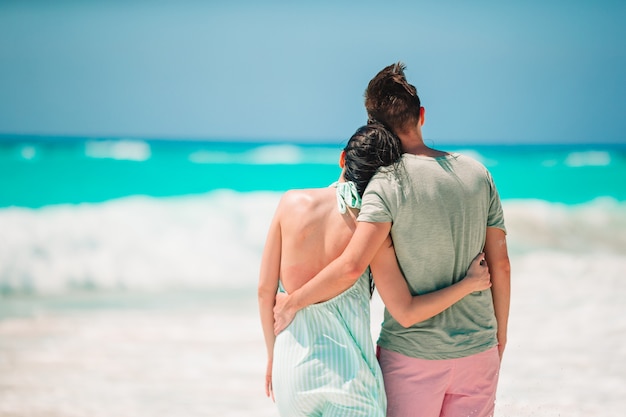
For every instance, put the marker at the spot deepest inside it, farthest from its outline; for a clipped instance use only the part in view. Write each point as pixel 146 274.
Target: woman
pixel 326 364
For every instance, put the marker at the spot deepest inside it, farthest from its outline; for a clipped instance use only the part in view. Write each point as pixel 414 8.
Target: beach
pixel 175 360
pixel 565 354
pixel 197 353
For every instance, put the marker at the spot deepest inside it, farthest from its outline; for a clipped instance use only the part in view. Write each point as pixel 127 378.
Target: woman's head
pixel 371 147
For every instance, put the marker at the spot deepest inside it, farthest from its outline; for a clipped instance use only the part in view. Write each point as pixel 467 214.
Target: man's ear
pixel 422 116
pixel 342 159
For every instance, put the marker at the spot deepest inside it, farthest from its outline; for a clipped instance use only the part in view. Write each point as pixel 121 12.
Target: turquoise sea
pixel 80 213
pixel 128 273
pixel 36 172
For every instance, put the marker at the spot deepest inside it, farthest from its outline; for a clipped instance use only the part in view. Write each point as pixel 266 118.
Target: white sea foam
pixel 131 150
pixel 536 225
pixel 589 158
pixel 135 243
pixel 28 152
pixel 268 155
pixel 215 240
pixel 272 154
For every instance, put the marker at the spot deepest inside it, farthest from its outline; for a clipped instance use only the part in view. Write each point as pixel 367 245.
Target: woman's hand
pixel 269 389
pixel 477 277
pixel 283 314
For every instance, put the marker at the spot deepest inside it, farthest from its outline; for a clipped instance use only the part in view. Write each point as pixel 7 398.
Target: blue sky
pixel 495 72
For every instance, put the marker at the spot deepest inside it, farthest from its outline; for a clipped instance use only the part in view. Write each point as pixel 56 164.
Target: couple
pixel 424 215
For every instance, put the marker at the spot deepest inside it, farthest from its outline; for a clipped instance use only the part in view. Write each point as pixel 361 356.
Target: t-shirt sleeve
pixel 375 206
pixel 495 217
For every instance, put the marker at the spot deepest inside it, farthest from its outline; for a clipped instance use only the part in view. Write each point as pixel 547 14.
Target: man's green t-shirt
pixel 440 209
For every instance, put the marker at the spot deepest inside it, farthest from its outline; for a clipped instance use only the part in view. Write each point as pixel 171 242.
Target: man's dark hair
pixel 372 146
pixel 391 100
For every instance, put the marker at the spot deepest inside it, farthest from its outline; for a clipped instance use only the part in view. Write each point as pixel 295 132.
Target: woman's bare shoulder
pixel 306 201
pixel 305 196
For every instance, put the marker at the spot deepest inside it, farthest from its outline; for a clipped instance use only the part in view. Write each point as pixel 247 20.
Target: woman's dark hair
pixel 372 146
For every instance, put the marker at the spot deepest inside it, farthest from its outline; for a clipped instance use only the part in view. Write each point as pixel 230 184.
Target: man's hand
pixel 283 313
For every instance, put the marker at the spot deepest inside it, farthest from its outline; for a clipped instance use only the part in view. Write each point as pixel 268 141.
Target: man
pixel 441 209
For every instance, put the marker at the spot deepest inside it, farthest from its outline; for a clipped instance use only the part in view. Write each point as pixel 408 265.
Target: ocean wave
pixel 129 150
pixel 28 152
pixel 589 158
pixel 597 226
pixel 276 154
pixel 268 155
pixel 135 243
pixel 215 241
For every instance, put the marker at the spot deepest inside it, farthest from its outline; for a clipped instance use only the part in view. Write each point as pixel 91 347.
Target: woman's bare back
pixel 313 233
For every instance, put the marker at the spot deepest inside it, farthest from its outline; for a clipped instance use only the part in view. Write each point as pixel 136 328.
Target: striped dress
pixel 324 362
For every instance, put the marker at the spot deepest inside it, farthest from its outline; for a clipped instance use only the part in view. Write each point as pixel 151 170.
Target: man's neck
pixel 413 143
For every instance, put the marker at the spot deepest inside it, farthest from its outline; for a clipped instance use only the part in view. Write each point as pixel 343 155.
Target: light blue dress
pixel 324 362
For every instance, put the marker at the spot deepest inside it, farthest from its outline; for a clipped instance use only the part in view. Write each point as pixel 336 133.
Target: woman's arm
pixel 337 276
pixel 268 285
pixel 408 309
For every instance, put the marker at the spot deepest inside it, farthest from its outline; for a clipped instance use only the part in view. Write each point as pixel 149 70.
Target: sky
pixel 504 72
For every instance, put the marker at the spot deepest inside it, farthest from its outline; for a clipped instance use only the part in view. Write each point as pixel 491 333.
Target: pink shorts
pixel 460 387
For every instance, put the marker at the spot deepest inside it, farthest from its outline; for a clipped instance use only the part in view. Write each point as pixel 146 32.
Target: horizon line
pixel 37 137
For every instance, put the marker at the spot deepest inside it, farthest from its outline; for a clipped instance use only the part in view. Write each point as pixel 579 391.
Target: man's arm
pixel 337 276
pixel 409 309
pixel 497 258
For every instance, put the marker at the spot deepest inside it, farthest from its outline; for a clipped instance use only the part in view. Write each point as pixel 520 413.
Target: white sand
pixel 566 354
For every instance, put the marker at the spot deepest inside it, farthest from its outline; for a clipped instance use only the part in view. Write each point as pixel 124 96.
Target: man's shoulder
pixel 468 157
pixel 470 163
pixel 384 180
